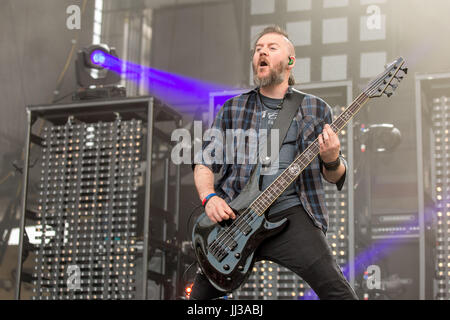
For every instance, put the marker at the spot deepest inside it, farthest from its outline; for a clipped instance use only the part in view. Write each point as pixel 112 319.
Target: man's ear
pixel 291 61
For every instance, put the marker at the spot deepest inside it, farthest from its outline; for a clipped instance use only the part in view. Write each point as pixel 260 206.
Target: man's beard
pixel 276 76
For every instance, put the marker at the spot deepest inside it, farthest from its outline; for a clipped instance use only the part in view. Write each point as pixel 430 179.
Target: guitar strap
pixel 290 107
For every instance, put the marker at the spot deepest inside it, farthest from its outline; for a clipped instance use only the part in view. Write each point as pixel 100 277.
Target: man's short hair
pixel 278 30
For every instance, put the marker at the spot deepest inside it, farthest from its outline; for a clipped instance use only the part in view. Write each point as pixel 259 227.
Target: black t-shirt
pixel 289 197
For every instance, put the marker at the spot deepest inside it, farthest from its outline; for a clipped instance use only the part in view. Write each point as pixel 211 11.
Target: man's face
pixel 270 60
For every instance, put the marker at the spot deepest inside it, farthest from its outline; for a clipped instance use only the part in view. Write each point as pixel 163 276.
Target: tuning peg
pixel 399 78
pixel 389 94
pixel 405 70
pixel 394 86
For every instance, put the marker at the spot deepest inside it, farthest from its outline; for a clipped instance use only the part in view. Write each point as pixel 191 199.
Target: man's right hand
pixel 217 210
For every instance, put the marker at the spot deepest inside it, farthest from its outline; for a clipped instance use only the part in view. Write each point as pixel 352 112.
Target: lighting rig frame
pixel 137 116
pixel 432 134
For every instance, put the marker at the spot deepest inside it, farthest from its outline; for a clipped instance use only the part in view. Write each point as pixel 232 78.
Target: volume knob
pixel 226 267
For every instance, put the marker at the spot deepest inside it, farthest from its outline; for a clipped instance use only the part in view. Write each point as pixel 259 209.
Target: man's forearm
pixel 334 176
pixel 204 181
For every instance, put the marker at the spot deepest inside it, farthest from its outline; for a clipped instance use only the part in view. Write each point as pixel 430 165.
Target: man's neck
pixel 275 91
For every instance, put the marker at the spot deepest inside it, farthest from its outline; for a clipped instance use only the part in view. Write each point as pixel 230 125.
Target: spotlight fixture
pixel 97 59
pixel 94 72
pixel 380 137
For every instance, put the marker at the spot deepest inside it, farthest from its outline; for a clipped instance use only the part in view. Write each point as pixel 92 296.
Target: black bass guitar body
pixel 225 251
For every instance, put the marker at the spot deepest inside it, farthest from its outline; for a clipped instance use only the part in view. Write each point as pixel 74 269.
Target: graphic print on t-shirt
pixel 270 116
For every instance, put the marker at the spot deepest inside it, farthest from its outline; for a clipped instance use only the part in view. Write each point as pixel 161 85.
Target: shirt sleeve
pixel 341 181
pixel 212 152
pixel 328 119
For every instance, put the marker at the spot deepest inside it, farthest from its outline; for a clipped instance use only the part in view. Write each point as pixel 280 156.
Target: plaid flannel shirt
pixel 245 112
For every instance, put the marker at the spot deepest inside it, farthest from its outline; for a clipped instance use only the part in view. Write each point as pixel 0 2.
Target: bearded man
pixel 301 246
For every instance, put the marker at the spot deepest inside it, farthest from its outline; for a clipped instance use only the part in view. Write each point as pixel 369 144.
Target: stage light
pixel 84 229
pixel 441 185
pixel 188 290
pixel 97 70
pixel 98 58
pixel 380 138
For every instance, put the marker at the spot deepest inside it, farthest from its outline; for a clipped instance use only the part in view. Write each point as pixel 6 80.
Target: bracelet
pixel 209 196
pixel 333 166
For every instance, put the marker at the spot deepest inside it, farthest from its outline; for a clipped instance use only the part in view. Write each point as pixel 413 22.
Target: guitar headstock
pixel 387 82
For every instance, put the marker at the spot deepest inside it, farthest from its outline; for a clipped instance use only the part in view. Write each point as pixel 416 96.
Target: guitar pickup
pixel 245 228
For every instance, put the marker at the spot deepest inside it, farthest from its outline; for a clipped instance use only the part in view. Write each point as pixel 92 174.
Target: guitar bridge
pixel 219 253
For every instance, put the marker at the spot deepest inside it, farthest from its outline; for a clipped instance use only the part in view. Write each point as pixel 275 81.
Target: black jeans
pixel 300 247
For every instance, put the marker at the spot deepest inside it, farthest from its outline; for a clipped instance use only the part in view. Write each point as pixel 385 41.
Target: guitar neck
pixel 282 182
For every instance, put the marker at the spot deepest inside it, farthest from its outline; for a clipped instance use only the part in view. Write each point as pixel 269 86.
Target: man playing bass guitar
pixel 301 246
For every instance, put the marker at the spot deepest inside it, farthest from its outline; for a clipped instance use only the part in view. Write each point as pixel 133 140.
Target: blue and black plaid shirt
pixel 245 112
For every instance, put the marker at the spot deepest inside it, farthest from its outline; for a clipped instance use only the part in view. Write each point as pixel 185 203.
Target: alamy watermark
pixel 74 278
pixel 374 18
pixel 232 146
pixel 73 21
pixel 373 277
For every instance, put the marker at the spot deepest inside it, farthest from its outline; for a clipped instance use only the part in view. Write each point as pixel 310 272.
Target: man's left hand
pixel 329 144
